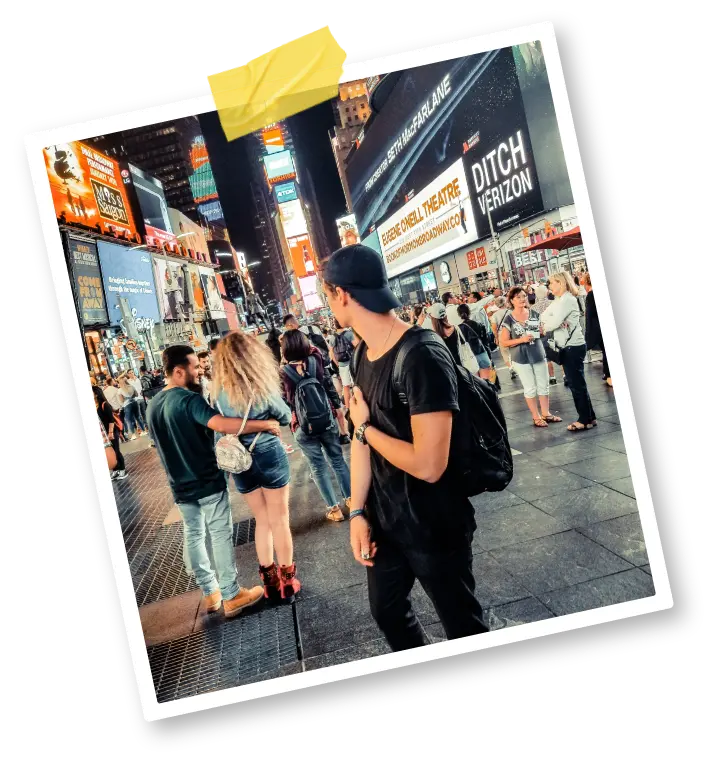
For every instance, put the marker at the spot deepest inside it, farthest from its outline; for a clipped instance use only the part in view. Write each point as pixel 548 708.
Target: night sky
pixel 231 168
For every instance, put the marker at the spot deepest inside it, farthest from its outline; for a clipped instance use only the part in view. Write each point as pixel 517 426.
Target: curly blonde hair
pixel 244 366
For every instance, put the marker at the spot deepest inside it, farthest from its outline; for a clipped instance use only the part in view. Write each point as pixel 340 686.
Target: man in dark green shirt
pixel 182 425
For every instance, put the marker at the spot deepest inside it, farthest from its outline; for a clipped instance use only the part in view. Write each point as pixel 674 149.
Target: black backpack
pixel 480 458
pixel 343 347
pixel 316 338
pixel 311 404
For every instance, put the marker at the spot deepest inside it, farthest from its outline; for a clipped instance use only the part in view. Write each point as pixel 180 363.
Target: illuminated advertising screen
pixel 428 280
pixel 310 295
pixel 211 292
pixel 372 241
pixel 273 140
pixel 87 281
pixel 151 202
pixel 436 221
pixel 127 275
pixel 173 288
pixel 285 192
pixel 304 261
pixel 348 233
pixel 475 259
pixel 469 107
pixel 292 216
pixel 87 188
pixel 279 166
pixel 196 291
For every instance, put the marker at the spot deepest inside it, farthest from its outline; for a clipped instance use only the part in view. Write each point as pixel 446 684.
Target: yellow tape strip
pixel 282 82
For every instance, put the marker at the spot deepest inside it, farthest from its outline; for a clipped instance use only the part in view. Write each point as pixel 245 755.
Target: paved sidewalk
pixel 565 537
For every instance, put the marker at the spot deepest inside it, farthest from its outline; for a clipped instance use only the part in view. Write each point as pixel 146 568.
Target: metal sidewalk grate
pixel 158 571
pixel 225 655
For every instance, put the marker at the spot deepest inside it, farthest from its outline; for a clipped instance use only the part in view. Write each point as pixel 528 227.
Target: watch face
pixel 445 272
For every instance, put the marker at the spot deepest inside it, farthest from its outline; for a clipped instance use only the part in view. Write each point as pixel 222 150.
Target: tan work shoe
pixel 245 598
pixel 213 602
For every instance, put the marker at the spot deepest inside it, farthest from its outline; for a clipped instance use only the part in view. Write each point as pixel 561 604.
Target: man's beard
pixel 194 387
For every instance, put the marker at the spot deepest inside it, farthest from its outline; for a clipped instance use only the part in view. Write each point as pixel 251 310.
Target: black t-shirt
pixel 105 414
pixel 178 424
pixel 403 508
pixel 470 336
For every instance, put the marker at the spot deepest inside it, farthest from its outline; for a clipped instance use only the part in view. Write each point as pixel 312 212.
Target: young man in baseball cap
pixel 407 521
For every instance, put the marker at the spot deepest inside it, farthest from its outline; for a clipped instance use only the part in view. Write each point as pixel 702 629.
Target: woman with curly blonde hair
pixel 246 382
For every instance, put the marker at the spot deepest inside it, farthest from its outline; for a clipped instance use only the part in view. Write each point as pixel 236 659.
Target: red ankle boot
pixel 289 584
pixel 270 578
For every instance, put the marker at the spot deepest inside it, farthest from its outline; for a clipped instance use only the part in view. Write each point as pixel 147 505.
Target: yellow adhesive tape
pixel 282 82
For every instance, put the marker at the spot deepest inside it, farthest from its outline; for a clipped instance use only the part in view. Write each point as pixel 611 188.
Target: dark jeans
pixel 116 447
pixel 606 372
pixel 448 580
pixel 573 367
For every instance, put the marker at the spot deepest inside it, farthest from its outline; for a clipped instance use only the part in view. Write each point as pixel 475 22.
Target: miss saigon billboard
pixel 87 188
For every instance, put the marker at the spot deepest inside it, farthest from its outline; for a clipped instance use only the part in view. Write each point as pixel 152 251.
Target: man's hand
pixel 358 409
pixel 360 539
pixel 272 427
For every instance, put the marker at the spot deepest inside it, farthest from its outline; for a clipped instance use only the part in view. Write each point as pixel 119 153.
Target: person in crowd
pixel 408 519
pixel 520 333
pixel 106 414
pixel 530 294
pixel 478 314
pixel 497 320
pixel 594 337
pixel 136 384
pixel 542 302
pixel 418 315
pixel 109 451
pixel 212 346
pixel 131 408
pixel 451 303
pixel 338 378
pixel 342 350
pixel 112 394
pixel 477 342
pixel 245 381
pixel 563 320
pixel 182 426
pixel 302 359
pixel 205 364
pixel 272 342
pixel 453 336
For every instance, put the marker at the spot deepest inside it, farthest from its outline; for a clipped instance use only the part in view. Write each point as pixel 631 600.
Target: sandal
pixel 551 419
pixel 540 423
pixel 577 426
pixel 335 515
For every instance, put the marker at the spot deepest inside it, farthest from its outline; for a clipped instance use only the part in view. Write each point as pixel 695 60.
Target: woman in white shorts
pixel 520 333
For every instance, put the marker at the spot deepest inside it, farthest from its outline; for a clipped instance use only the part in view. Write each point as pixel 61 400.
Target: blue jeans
pixel 132 416
pixel 211 515
pixel 314 447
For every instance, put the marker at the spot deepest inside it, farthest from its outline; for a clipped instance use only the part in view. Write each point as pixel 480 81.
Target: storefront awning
pixel 560 241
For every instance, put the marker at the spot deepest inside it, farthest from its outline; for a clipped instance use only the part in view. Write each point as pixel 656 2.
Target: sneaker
pixel 344 439
pixel 113 474
pixel 246 597
pixel 121 474
pixel 553 380
pixel 134 437
pixel 288 449
pixel 213 602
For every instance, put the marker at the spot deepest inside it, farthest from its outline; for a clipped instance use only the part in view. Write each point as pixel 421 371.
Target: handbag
pixel 232 456
pixel 554 353
pixel 466 354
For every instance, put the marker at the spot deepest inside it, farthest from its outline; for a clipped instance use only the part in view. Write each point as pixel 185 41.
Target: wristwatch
pixel 359 432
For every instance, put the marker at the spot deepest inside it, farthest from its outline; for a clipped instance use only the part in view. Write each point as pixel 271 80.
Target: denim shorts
pixel 484 360
pixel 270 467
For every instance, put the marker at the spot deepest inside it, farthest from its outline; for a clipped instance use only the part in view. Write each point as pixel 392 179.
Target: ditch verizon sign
pixel 504 183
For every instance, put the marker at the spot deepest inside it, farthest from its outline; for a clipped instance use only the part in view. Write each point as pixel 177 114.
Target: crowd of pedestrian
pixel 381 377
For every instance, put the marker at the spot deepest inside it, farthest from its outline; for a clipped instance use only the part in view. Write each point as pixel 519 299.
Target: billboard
pixel 87 281
pixel 475 259
pixel 348 233
pixel 196 292
pixel 372 241
pixel 292 216
pixel 173 288
pixel 436 114
pixel 436 221
pixel 310 296
pixel 213 298
pixel 87 188
pixel 304 260
pixel 279 166
pixel 273 140
pixel 151 202
pixel 127 275
pixel 428 279
pixel 285 192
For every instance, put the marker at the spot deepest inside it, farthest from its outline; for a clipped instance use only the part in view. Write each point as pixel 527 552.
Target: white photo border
pixel 662 599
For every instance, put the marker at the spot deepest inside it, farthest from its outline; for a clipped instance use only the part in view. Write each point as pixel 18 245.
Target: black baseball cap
pixel 360 270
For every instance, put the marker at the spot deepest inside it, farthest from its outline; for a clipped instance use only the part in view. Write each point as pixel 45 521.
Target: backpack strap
pixel 422 337
pixel 356 357
pixel 291 373
pixel 312 366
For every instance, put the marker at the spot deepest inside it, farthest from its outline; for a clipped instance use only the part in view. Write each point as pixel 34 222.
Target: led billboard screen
pixel 273 140
pixel 285 192
pixel 87 188
pixel 292 216
pixel 279 166
pixel 348 233
pixel 308 287
pixel 303 258
pixel 87 281
pixel 152 204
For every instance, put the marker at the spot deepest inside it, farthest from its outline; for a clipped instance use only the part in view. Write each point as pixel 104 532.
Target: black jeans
pixel 116 447
pixel 606 371
pixel 448 580
pixel 573 358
